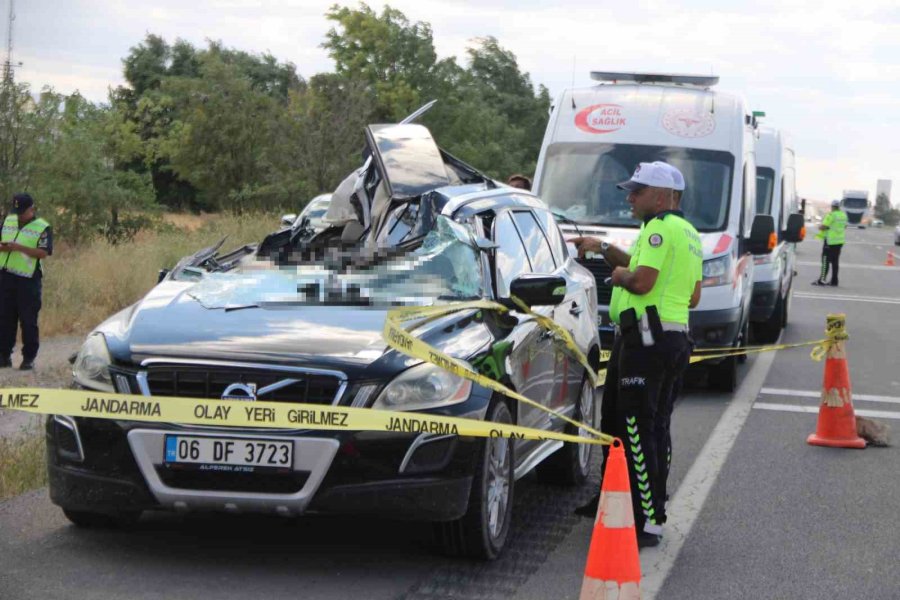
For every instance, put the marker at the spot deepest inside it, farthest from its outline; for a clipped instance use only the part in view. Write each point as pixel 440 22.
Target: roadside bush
pixel 23 464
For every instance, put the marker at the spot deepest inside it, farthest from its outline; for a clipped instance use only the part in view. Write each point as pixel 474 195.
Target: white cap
pixel 835 203
pixel 648 175
pixel 677 177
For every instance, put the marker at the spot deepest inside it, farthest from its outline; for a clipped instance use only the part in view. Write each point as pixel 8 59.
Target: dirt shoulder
pixel 52 370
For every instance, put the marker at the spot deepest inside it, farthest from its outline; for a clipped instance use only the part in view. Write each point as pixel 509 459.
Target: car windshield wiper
pixel 568 220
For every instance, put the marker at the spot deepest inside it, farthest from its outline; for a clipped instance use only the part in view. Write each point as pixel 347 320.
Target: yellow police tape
pixel 198 411
pixel 403 341
pixel 285 415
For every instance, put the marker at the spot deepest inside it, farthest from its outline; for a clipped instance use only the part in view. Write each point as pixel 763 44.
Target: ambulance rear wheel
pixel 723 376
pixel 768 331
pixel 742 341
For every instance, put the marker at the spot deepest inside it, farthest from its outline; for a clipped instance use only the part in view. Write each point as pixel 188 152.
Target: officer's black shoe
pixel 648 540
pixel 819 282
pixel 27 365
pixel 5 362
pixel 833 284
pixel 589 510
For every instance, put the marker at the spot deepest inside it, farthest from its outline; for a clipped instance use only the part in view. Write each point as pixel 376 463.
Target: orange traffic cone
pixel 890 259
pixel 837 422
pixel 613 569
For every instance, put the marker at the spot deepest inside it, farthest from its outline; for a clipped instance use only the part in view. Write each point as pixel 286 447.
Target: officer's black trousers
pixel 678 350
pixel 635 380
pixel 20 302
pixel 831 256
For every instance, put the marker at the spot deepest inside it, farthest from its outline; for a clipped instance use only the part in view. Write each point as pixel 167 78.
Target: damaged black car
pixel 298 318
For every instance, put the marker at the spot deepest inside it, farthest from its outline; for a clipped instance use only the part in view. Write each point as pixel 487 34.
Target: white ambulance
pixel 776 195
pixel 596 137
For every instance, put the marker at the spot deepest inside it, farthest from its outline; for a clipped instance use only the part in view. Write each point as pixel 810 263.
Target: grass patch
pixel 84 285
pixel 23 463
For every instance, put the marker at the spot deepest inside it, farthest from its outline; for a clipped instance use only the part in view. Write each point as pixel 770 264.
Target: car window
pixel 535 242
pixel 510 255
pixel 557 243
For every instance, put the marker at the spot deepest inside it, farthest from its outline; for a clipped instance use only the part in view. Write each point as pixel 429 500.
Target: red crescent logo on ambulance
pixel 600 118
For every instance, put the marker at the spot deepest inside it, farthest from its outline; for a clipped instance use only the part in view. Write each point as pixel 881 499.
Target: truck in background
pixel 776 195
pixel 856 204
pixel 596 137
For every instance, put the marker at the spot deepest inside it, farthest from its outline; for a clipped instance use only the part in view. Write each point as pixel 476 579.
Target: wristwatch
pixel 604 246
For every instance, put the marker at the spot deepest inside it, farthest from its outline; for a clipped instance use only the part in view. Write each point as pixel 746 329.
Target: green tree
pixel 488 114
pixel 395 57
pixel 79 187
pixel 222 139
pixel 324 132
pixel 161 78
pixel 17 135
pixel 884 210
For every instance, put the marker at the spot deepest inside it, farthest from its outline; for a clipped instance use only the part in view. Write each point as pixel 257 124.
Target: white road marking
pixel 875 414
pixel 815 394
pixel 805 263
pixel 846 298
pixel 685 505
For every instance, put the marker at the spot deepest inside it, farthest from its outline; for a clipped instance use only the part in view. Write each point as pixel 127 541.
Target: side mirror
pixel 538 290
pixel 762 238
pixel 795 231
pixel 162 275
pixel 288 220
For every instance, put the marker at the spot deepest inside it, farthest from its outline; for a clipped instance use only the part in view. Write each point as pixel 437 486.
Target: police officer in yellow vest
pixel 24 242
pixel 649 305
pixel 832 230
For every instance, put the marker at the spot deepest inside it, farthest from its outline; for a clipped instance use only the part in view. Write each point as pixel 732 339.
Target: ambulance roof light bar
pixel 704 81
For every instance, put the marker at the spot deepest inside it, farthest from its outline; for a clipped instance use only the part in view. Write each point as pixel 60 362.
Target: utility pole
pixel 8 64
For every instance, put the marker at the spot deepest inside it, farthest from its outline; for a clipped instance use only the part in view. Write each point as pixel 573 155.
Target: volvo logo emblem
pixel 240 391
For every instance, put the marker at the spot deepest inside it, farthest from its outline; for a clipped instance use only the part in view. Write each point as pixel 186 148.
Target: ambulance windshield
pixel 855 203
pixel 579 181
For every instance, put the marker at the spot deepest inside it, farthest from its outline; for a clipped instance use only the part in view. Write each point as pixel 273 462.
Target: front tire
pixel 481 533
pixel 571 464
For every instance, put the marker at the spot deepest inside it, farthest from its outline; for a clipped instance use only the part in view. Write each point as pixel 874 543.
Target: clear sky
pixel 827 72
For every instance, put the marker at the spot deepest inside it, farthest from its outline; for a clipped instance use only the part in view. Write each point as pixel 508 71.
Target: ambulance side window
pixel 748 200
pixel 788 197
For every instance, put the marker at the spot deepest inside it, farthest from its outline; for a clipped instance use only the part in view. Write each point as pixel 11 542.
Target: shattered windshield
pixel 446 267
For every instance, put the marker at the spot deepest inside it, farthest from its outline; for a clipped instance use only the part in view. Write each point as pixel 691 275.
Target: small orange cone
pixel 613 569
pixel 837 422
pixel 890 259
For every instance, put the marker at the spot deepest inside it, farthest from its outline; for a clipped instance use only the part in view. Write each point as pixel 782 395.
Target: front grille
pixel 259 482
pixel 600 269
pixel 201 381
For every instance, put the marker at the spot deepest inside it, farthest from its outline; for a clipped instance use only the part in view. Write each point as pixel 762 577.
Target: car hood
pixel 170 323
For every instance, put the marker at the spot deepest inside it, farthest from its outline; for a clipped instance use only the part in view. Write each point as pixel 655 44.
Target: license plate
pixel 229 452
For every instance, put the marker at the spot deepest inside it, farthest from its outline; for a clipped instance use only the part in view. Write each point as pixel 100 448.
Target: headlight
pixel 424 386
pixel 717 271
pixel 92 364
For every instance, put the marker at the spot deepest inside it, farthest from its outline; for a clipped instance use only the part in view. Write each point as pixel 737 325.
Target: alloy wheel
pixel 498 484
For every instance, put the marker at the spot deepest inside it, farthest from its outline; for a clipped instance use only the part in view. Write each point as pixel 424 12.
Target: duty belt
pixel 678 327
pixel 666 326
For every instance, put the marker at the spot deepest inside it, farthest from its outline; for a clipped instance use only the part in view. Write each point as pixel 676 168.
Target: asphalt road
pixel 759 513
